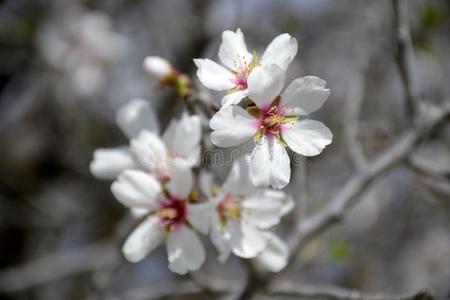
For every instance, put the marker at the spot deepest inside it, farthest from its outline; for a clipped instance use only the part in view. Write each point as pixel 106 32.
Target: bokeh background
pixel 66 65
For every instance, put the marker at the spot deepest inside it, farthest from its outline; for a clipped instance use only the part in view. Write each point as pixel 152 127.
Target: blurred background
pixel 66 65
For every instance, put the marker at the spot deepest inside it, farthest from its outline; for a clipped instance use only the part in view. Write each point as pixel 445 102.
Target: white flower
pixel 239 64
pixel 167 215
pixel 274 123
pixel 147 151
pixel 242 214
pixel 158 67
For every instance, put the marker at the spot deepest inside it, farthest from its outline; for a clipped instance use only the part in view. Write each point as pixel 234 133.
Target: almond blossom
pixel 239 63
pixel 241 216
pixel 275 122
pixel 146 150
pixel 166 215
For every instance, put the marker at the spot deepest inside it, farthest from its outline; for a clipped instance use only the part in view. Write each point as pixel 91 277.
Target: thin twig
pixel 423 166
pixel 354 102
pixel 405 58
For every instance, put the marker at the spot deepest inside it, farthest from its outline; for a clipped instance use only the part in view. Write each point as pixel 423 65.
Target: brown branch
pixel 296 291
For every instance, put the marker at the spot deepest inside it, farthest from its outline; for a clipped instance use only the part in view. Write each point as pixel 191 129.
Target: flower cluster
pixel 153 175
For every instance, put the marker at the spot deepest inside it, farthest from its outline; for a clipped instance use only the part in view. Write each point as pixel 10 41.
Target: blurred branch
pixel 405 58
pixel 359 182
pixel 109 266
pixel 162 290
pixel 435 178
pixel 99 258
pixel 296 291
pixel 54 266
pixel 439 186
pixel 354 102
pixel 423 166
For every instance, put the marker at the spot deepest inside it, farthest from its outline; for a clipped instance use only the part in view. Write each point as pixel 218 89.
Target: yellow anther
pixel 167 213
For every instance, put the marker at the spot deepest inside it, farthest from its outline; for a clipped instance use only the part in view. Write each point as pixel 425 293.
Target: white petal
pixel 206 182
pixel 265 84
pixel 305 95
pixel 232 126
pixel 149 151
pixel 199 216
pixel 287 203
pixel 275 256
pixel 139 212
pixel 184 151
pixel 185 251
pixel 233 48
pixel 109 163
pixel 158 66
pixel 308 137
pixel 246 241
pixel 281 51
pixel 262 212
pixel 135 116
pixel 181 179
pixel 169 133
pixel 186 137
pixel 220 237
pixel 238 181
pixel 270 164
pixel 143 239
pixel 234 98
pixel 213 75
pixel 135 188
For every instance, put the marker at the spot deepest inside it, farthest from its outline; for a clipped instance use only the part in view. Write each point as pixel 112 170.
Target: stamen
pixel 272 120
pixel 229 208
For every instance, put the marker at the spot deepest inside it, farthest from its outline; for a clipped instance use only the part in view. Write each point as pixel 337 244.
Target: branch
pixel 355 99
pixel 423 166
pixel 335 293
pixel 405 58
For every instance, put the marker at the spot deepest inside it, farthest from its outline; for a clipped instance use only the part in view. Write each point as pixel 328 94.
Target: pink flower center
pixel 272 120
pixel 241 78
pixel 172 212
pixel 229 207
pixel 242 70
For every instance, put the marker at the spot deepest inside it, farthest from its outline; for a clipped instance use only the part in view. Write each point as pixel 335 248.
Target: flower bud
pixel 158 67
